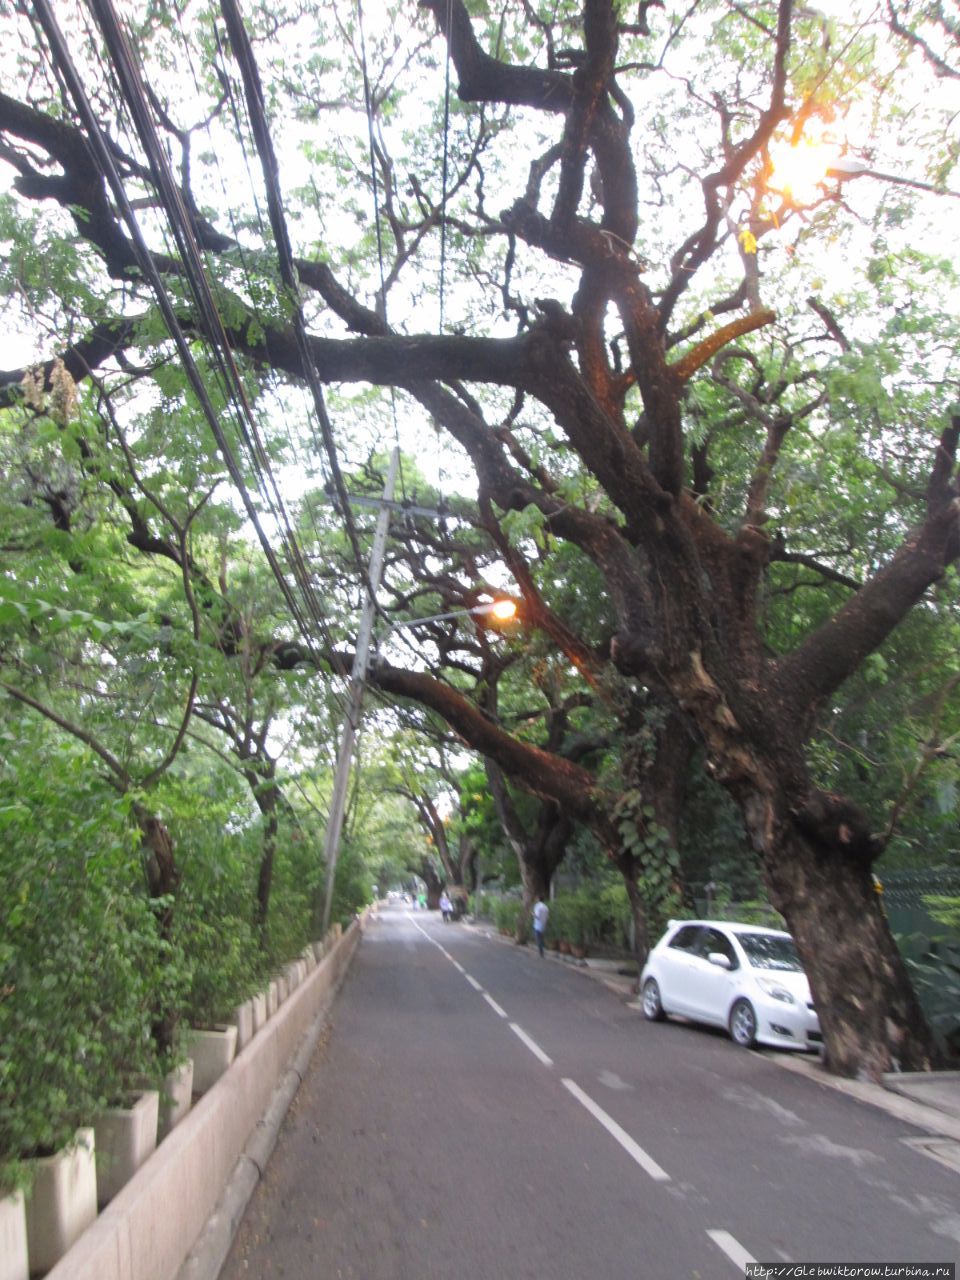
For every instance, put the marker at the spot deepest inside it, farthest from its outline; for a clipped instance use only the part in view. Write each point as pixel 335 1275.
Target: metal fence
pixel 904 893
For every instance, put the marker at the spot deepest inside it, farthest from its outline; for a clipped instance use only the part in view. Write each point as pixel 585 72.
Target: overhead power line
pixel 132 89
pixel 253 89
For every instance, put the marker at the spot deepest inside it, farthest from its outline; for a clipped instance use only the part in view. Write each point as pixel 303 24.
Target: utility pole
pixel 358 675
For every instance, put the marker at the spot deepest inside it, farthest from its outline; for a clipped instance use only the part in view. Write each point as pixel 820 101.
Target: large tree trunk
pixel 539 852
pixel 428 875
pixel 467 863
pixel 163 880
pixel 629 867
pixel 542 854
pixel 267 795
pixel 871 1019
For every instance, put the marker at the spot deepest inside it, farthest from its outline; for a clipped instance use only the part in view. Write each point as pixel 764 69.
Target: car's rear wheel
pixel 743 1024
pixel 652 1008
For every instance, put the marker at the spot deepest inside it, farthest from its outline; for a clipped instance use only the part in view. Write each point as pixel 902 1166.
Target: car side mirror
pixel 720 960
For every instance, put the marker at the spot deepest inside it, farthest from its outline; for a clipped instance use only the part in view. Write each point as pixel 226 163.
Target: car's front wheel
pixel 743 1024
pixel 652 1008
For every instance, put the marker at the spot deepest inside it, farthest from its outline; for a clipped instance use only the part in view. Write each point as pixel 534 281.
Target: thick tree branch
pixel 537 771
pixel 837 648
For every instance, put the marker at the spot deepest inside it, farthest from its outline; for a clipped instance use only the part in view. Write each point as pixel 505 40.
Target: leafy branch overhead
pixel 695 409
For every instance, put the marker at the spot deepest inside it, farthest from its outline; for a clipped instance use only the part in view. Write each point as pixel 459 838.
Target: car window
pixel 685 939
pixel 714 940
pixel 771 951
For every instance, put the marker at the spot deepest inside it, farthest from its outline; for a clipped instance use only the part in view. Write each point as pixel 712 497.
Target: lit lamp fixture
pixel 503 610
pixel 800 168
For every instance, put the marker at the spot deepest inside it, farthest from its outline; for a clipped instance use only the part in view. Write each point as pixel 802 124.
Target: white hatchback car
pixel 739 976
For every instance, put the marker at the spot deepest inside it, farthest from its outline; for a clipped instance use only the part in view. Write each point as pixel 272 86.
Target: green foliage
pixel 506 914
pixel 649 842
pixel 82 965
pixel 353 885
pixel 934 965
pixel 222 955
pixel 944 909
pixel 582 915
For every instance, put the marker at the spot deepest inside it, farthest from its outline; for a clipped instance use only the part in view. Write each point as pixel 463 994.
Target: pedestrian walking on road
pixel 446 906
pixel 541 914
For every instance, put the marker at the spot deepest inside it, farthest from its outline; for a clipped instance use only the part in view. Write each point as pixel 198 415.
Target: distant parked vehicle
pixel 739 976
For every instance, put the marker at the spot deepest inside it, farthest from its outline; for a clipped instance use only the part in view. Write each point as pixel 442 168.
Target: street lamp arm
pixel 846 174
pixel 498 608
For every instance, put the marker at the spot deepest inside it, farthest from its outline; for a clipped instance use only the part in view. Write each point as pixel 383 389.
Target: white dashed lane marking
pixel 632 1148
pixel 531 1044
pixel 724 1241
pixel 732 1248
pixel 501 1013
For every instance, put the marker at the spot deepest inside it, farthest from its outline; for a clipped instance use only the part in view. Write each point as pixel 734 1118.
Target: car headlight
pixel 775 990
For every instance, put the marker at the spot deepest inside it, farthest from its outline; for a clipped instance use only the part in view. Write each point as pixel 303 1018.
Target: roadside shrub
pixel 221 956
pixel 506 914
pixel 80 971
pixel 482 906
pixel 352 889
pixel 934 965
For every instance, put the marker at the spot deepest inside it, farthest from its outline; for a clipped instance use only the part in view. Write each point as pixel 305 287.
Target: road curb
pixel 209 1253
pixel 875 1095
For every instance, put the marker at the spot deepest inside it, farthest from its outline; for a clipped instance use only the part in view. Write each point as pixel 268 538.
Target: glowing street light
pixel 800 170
pixel 503 610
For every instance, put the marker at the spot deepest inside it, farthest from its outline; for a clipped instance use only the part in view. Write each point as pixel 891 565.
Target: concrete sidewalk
pixel 930 1100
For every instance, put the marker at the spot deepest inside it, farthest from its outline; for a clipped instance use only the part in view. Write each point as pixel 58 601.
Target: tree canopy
pixel 695 398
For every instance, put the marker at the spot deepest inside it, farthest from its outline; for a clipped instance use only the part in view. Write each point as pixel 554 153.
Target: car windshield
pixel 768 951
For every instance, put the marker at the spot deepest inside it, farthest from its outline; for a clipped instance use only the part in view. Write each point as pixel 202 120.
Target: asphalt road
pixel 476 1112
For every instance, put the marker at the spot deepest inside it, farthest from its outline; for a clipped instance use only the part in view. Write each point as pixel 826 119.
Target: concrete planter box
pixel 175 1098
pixel 212 1052
pixel 259 1006
pixel 283 988
pixel 13 1237
pixel 63 1201
pixel 125 1137
pixel 319 950
pixel 149 1229
pixel 309 959
pixel 243 1020
pixel 291 973
pixel 273 998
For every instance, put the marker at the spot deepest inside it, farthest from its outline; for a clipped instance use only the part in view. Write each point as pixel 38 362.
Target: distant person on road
pixel 541 914
pixel 446 906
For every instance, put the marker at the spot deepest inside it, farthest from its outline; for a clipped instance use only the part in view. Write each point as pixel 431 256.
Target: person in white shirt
pixel 541 914
pixel 446 906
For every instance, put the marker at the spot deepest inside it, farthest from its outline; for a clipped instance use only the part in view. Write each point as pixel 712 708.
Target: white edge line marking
pixel 457 965
pixel 632 1148
pixel 732 1248
pixel 531 1044
pixel 473 982
pixel 494 1006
